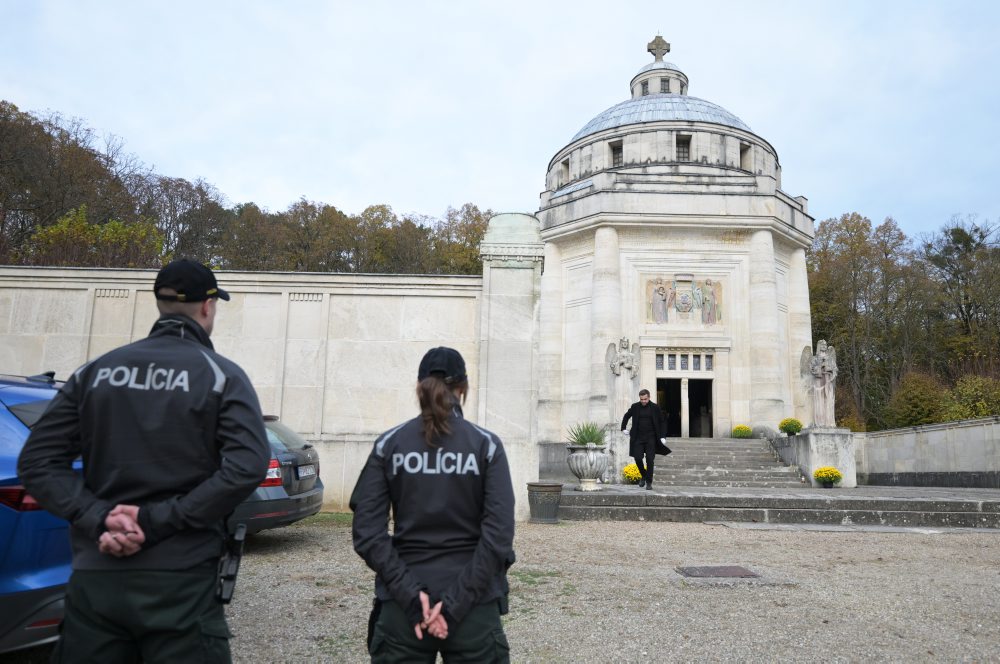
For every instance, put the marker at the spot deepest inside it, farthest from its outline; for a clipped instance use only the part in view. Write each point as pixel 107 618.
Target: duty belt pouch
pixel 229 565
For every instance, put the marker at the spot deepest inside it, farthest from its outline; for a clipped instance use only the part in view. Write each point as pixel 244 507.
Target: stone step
pixel 711 449
pixel 720 464
pixel 784 471
pixel 730 483
pixel 730 470
pixel 790 506
pixel 708 442
pixel 791 516
pixel 699 458
pixel 679 478
pixel 733 456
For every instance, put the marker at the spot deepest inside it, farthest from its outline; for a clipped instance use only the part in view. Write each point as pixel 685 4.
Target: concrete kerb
pixel 879 506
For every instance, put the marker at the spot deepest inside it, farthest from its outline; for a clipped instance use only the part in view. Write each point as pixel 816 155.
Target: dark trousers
pixel 143 616
pixel 478 638
pixel 646 449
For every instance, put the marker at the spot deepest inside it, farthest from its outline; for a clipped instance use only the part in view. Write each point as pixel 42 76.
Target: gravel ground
pixel 608 592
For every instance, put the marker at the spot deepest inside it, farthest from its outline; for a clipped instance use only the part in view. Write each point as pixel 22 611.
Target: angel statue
pixel 624 365
pixel 822 369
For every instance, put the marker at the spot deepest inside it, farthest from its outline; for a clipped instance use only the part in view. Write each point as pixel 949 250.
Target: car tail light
pixel 17 498
pixel 49 622
pixel 273 477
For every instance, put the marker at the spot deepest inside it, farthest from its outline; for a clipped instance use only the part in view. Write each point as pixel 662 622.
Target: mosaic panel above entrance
pixel 683 297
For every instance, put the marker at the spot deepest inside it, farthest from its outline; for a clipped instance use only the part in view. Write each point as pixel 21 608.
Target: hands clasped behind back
pixel 433 621
pixel 123 536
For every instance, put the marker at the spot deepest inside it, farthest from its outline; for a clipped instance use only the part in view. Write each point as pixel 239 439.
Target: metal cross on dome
pixel 658 47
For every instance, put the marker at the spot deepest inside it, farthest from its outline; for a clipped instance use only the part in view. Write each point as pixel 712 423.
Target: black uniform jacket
pixel 453 516
pixel 636 446
pixel 164 423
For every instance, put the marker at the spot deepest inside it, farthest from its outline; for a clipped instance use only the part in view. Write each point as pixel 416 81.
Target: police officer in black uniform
pixel 172 439
pixel 440 581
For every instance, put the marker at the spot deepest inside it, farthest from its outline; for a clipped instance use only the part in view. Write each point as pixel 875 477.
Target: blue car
pixel 35 554
pixel 34 545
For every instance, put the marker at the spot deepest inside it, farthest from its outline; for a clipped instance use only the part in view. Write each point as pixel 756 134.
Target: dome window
pixel 645 88
pixel 665 85
pixel 617 153
pixel 683 148
pixel 564 172
pixel 746 157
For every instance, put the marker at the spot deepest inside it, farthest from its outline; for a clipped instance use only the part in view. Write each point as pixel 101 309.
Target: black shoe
pixel 642 483
pixel 649 486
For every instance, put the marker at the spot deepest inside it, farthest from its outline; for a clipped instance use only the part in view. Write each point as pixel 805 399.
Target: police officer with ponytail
pixel 440 582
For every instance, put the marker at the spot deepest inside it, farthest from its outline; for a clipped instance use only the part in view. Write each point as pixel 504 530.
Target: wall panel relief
pixel 683 297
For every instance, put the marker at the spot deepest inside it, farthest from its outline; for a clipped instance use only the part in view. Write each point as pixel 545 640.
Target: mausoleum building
pixel 671 248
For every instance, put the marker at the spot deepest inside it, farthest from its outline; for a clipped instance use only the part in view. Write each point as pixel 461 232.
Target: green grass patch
pixel 567 589
pixel 532 577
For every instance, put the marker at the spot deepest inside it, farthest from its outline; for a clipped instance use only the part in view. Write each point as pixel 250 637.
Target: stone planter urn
pixel 587 463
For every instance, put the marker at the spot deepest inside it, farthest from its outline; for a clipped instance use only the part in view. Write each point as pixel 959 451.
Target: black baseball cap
pixel 192 281
pixel 446 363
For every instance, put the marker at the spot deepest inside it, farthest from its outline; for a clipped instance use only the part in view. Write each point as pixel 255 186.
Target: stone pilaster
pixel 508 392
pixel 605 317
pixel 550 347
pixel 799 333
pixel 766 404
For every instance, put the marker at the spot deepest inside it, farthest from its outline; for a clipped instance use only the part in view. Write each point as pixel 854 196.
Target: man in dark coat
pixel 648 427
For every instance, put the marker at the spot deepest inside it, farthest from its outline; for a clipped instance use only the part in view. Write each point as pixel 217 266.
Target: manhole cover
pixel 718 572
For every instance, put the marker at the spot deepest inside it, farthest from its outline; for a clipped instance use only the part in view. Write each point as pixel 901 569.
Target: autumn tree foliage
pixel 74 241
pixel 901 311
pixel 60 183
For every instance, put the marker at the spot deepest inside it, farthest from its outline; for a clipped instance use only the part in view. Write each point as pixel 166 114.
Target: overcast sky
pixel 883 108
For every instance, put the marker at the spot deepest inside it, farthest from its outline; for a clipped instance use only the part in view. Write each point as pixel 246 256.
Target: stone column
pixel 550 347
pixel 766 404
pixel 605 319
pixel 685 410
pixel 512 260
pixel 799 333
pixel 722 427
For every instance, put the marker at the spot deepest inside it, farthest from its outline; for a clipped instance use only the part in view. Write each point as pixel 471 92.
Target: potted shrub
pixel 587 460
pixel 790 426
pixel 742 431
pixel 827 476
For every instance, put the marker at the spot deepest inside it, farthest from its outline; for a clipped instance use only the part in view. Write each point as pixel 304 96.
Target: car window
pixel 282 438
pixel 29 412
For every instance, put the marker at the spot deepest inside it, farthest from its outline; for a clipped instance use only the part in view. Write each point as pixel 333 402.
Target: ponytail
pixel 437 399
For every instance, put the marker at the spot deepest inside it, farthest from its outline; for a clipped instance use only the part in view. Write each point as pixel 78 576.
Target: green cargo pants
pixel 143 615
pixel 479 638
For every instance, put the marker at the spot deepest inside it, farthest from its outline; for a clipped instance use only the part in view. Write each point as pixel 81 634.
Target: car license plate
pixel 307 471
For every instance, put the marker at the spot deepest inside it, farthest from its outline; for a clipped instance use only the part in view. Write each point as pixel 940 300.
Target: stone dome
pixel 659 64
pixel 660 107
pixel 659 93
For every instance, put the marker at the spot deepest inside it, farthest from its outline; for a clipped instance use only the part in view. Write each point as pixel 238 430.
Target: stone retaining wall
pixel 952 454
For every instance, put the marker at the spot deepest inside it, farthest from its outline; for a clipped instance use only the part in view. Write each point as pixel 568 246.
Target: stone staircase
pixel 723 462
pixel 738 480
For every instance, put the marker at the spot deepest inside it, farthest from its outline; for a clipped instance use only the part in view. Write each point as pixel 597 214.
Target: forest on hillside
pixel 915 321
pixel 71 197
